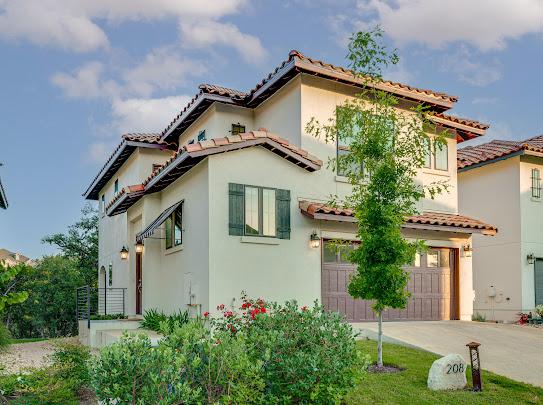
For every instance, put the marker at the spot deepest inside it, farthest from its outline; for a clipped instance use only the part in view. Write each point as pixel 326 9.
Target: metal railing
pixel 99 301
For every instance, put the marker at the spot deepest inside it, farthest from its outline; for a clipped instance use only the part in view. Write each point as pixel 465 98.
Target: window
pixel 536 183
pixel 441 156
pixel 173 228
pixel 259 211
pixel 202 135
pixel 116 186
pixel 238 129
pixel 417 259
pixel 428 154
pixel 191 141
pixel 110 283
pixel 103 205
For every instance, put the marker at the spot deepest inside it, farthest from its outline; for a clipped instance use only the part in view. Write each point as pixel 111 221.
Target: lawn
pixel 25 340
pixel 409 386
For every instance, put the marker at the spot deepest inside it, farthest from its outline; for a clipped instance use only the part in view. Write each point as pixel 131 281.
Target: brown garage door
pixel 432 286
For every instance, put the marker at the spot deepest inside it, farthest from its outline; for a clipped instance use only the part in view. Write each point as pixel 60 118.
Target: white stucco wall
pixel 491 193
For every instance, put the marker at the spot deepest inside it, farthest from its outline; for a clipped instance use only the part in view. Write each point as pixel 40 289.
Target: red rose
pixel 206 314
pixel 263 310
pixel 304 308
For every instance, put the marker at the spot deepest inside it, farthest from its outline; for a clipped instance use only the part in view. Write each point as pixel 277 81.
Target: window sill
pixel 173 250
pixel 535 199
pixel 435 172
pixel 342 179
pixel 262 240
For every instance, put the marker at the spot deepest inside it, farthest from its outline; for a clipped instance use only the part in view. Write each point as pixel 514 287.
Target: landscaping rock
pixel 447 373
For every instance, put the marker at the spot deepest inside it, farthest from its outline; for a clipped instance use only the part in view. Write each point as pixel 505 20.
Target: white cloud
pixel 485 100
pixel 98 152
pixel 146 115
pixel 472 70
pixel 86 82
pixel 485 24
pixel 74 25
pixel 162 69
pixel 202 34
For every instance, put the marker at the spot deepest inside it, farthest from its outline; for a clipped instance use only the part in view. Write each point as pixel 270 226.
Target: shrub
pixel 539 310
pixel 153 319
pixel 188 366
pixel 107 317
pixel 477 317
pixel 5 336
pixel 308 355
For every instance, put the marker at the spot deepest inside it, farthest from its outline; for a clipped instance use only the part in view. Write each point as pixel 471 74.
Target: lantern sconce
pixel 475 366
pixel 124 253
pixel 530 258
pixel 314 240
pixel 467 250
pixel 139 247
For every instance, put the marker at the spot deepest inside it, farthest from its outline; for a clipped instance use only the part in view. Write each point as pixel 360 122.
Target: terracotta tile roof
pixel 318 210
pixel 394 87
pixel 129 142
pixel 486 152
pixel 460 120
pixel 190 155
pixel 223 91
pixel 465 129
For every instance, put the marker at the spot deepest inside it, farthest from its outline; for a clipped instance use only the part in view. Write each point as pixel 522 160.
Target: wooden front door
pixel 432 285
pixel 139 284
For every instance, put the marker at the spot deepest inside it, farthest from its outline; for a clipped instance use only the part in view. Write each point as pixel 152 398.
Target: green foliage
pixel 153 319
pixel 308 355
pixel 9 278
pixel 477 317
pixel 5 336
pixel 189 366
pixel 49 310
pixel 80 244
pixel 539 310
pixel 107 317
pixel 59 383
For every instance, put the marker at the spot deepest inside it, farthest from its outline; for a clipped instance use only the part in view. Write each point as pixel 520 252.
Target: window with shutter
pixel 258 211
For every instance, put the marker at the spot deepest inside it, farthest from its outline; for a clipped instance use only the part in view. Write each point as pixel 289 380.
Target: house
pixel 9 258
pixel 232 195
pixel 501 181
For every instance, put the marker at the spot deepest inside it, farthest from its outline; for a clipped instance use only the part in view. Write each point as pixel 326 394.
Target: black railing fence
pixel 99 301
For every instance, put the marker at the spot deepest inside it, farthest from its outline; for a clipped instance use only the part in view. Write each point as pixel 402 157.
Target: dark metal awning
pixel 157 222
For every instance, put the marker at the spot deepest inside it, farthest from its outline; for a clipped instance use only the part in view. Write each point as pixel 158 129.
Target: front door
pixel 139 284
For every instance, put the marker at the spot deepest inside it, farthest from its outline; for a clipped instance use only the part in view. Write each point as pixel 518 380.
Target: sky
pixel 75 75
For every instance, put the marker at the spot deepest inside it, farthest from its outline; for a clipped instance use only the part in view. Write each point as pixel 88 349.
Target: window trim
pixel 260 211
pixel 446 146
pixel 103 205
pixel 171 237
pixel 536 183
pixel 201 135
pixel 116 186
pixel 239 129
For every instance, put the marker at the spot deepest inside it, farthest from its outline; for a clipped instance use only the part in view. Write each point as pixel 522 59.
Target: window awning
pixel 157 222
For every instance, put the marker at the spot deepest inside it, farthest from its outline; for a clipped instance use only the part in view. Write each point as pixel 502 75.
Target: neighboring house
pixel 231 196
pixel 3 198
pixel 501 182
pixel 11 258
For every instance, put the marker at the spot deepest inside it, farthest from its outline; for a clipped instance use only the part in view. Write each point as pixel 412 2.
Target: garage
pixel 433 285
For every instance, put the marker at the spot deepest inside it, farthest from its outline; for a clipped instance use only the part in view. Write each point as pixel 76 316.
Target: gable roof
pixel 299 63
pixel 16 257
pixel 120 155
pixel 189 156
pixel 426 220
pixel 3 199
pixel 474 156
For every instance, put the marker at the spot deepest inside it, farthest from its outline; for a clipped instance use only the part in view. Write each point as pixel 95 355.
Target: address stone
pixel 447 373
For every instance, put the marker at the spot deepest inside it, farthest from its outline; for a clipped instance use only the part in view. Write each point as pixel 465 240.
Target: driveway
pixel 510 350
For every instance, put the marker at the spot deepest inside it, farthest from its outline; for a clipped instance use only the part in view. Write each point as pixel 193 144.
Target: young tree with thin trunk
pixel 386 145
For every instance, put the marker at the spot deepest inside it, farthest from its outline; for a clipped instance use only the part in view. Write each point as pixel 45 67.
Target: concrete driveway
pixel 510 350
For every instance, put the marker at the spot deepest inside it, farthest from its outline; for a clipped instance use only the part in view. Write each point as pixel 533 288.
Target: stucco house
pixel 232 195
pixel 9 258
pixel 501 181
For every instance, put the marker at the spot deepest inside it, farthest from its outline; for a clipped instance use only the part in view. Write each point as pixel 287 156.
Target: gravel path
pixel 24 355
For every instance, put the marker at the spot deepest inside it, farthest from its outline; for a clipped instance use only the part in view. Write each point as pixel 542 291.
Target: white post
pixel 380 340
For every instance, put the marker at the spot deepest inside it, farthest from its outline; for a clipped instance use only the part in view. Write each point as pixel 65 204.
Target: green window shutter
pixel 282 207
pixel 235 208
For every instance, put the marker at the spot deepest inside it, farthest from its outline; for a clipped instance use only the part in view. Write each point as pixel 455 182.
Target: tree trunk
pixel 380 340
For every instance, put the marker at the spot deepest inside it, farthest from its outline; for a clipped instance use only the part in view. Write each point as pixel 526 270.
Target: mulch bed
pixel 385 369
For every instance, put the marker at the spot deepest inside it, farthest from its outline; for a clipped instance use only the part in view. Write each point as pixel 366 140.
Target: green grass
pixel 409 386
pixel 25 340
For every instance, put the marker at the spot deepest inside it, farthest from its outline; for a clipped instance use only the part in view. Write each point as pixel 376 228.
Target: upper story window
pixel 202 135
pixel 103 204
pixel 116 186
pixel 174 228
pixel 536 183
pixel 441 156
pixel 259 211
pixel 428 153
pixel 238 129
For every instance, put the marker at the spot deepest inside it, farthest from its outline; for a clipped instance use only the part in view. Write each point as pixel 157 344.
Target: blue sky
pixel 76 75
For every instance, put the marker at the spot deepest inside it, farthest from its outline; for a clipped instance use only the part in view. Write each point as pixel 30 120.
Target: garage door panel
pixel 431 286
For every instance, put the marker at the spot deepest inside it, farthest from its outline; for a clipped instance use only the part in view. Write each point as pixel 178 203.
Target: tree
pixel 387 145
pixel 9 279
pixel 80 243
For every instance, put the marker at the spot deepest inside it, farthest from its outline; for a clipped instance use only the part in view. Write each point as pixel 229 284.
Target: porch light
pixel 314 240
pixel 139 247
pixel 124 253
pixel 467 250
pixel 530 258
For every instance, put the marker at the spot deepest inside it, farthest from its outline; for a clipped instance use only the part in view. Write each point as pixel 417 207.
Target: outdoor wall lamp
pixel 530 258
pixel 467 250
pixel 314 240
pixel 124 253
pixel 139 247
